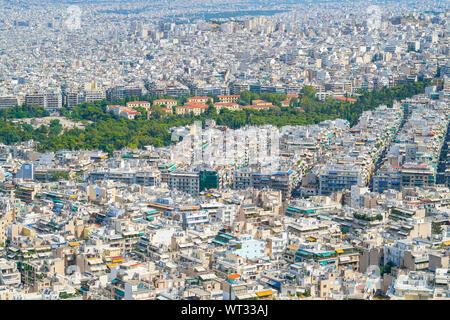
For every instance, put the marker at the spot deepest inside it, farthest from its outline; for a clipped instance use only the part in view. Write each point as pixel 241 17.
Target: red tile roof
pixel 134 102
pixel 258 106
pixel 346 99
pixel 197 97
pixel 131 111
pixel 225 104
pixel 229 96
pixel 196 105
pixel 165 100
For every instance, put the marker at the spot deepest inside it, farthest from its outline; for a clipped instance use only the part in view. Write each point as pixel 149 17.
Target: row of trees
pixel 366 100
pixel 24 111
pixel 11 133
pixel 274 98
pixel 109 132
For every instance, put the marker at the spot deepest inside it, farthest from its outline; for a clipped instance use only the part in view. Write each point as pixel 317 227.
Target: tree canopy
pixel 109 132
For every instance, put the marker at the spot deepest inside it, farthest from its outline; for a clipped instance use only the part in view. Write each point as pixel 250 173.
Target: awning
pixel 234 276
pixel 264 293
pixel 274 283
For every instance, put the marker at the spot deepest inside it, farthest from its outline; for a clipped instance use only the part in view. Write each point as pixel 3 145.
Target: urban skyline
pixel 224 150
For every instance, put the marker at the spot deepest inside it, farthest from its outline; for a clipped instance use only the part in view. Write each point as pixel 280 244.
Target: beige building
pixel 226 105
pixel 9 275
pixel 165 102
pixel 322 286
pixel 200 99
pixel 229 98
pixel 142 104
pixel 36 274
pixel 438 260
pixel 196 109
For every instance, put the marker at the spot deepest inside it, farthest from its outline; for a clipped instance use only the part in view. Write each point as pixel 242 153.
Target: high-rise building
pixel 94 95
pixel 188 182
pixel 54 101
pixel 121 92
pixel 51 101
pixel 26 172
pixel 36 99
pixel 73 98
pixel 8 102
pixel 336 179
pixel 192 218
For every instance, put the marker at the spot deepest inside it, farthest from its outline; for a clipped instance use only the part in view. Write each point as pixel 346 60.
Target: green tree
pixel 386 268
pixel 308 91
pixel 55 127
pixel 61 175
pixel 436 228
pixel 109 132
pixel 157 112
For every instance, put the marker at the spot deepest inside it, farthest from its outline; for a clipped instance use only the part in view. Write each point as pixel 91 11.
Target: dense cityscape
pixel 224 150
